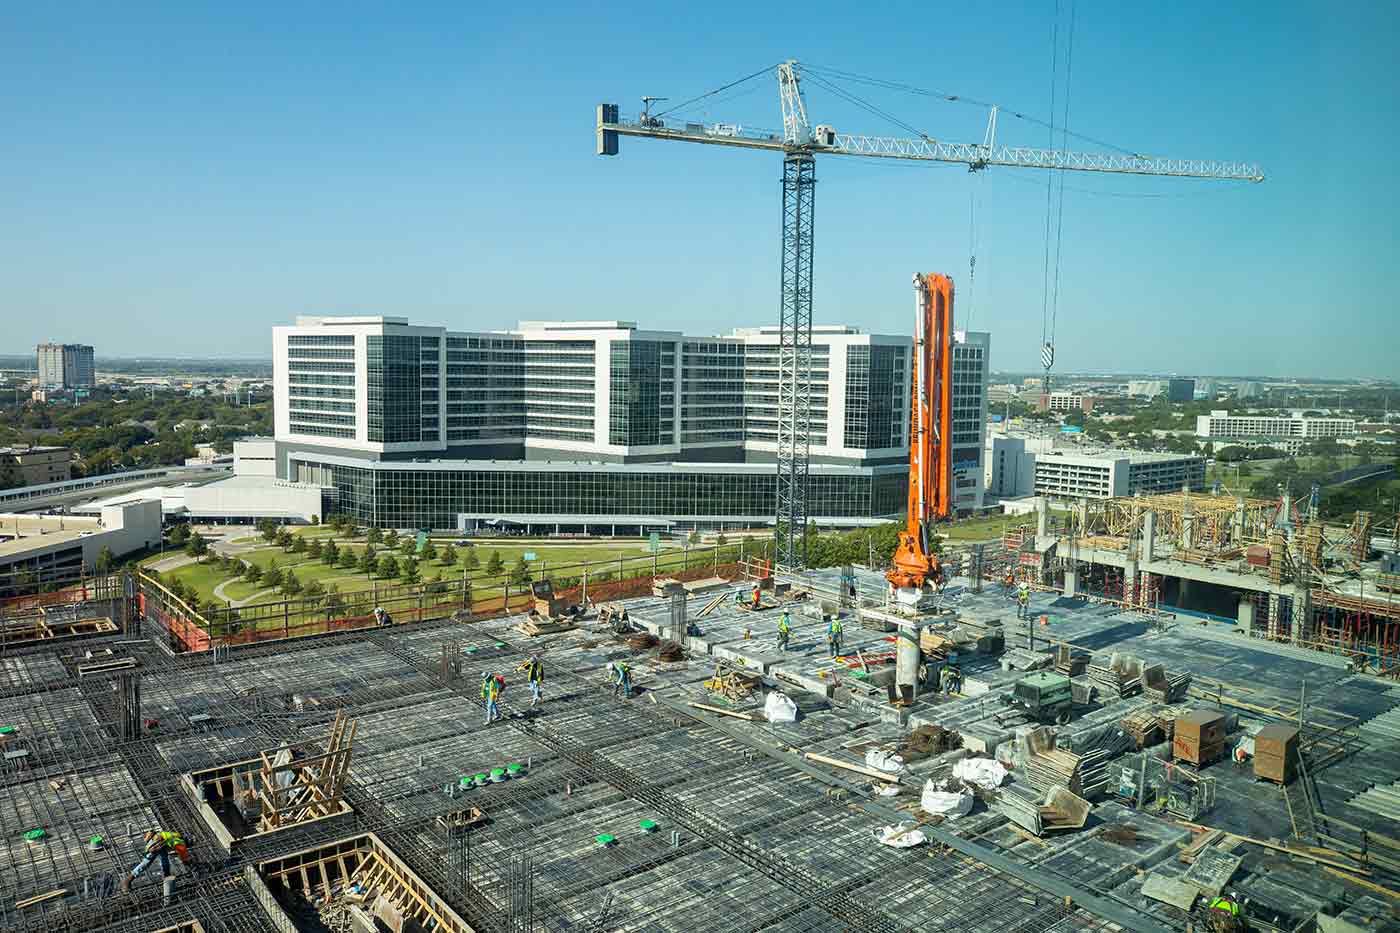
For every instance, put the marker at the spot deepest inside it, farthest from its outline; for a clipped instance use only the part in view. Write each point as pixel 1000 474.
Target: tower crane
pixel 800 142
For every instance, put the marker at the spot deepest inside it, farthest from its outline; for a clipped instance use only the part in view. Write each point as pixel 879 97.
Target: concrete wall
pixel 255 457
pixel 267 497
pixel 126 527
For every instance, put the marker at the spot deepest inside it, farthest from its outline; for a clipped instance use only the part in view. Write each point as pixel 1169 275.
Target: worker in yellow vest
pixel 1225 914
pixel 784 631
pixel 159 845
pixel 833 636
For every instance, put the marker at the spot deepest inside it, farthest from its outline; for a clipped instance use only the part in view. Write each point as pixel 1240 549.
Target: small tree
pixel 373 535
pixel 197 546
pixel 180 534
pixel 298 544
pixel 520 571
pixel 346 560
pixel 721 540
pixel 291 586
pixel 330 552
pixel 408 573
pixel 272 576
pixel 315 519
pixel 283 538
pixel 437 586
pixel 334 602
pixel 368 561
pixel 105 560
pixel 268 529
pixel 494 565
pixel 693 538
pixel 314 589
pixel 252 573
pixel 469 559
pixel 391 540
pixel 429 552
pixel 388 566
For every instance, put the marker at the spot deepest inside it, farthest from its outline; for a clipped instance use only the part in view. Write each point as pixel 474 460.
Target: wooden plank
pixel 724 712
pixel 1279 847
pixel 1362 882
pixel 40 898
pixel 859 769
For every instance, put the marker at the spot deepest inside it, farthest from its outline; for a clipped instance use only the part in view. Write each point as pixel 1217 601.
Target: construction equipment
pixel 1043 696
pixel 799 144
pixel 614 616
pixel 916 569
pixel 548 613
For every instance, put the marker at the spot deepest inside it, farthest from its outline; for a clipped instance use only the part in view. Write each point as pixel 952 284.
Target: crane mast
pixel 930 438
pixel 800 142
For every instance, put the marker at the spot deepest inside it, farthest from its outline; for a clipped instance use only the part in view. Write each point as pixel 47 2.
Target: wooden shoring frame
pixel 317 785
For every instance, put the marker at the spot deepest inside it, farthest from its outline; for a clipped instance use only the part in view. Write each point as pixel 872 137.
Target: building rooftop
pixel 1108 453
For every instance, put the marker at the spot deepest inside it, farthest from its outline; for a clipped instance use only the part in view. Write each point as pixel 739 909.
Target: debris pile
pixel 1164 687
pixel 641 641
pixel 927 741
pixel 670 652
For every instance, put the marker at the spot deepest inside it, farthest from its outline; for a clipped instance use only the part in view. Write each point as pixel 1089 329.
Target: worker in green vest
pixel 784 631
pixel 1023 601
pixel 159 844
pixel 1224 913
pixel 833 636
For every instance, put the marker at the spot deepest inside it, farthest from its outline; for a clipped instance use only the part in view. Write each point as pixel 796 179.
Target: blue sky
pixel 175 178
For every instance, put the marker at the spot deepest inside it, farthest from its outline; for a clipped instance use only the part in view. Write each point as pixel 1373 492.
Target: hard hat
pixel 150 833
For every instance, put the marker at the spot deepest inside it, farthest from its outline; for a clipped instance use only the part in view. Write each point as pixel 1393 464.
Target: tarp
pixel 884 761
pixel 986 773
pixel 903 836
pixel 779 707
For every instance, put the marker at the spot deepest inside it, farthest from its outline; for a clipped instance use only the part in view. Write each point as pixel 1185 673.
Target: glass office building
pixel 570 423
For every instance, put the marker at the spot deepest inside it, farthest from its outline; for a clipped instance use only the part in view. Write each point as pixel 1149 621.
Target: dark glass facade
pixel 875 385
pixel 634 398
pixel 394 389
pixel 417 498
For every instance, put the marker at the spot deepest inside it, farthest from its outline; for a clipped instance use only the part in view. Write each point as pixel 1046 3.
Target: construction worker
pixel 381 617
pixel 159 845
pixel 939 580
pixel 1223 912
pixel 621 675
pixel 784 631
pixel 952 679
pixel 534 674
pixel 833 636
pixel 491 695
pixel 1008 583
pixel 757 596
pixel 1023 601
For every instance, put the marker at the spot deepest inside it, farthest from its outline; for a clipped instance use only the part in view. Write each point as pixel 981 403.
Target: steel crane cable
pixel 762 71
pixel 809 70
pixel 1049 183
pixel 1060 211
pixel 867 106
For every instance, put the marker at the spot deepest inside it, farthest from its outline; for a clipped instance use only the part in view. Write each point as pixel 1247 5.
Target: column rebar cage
pixel 795 360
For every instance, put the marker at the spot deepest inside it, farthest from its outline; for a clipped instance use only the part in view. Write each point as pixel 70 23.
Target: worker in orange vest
pixel 757 601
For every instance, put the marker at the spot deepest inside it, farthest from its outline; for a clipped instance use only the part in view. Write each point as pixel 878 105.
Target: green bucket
pixel 648 826
pixel 514 769
pixel 603 839
pixel 7 730
pixel 34 835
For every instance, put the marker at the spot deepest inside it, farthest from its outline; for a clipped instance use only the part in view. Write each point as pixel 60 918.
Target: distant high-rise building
pixel 589 424
pixel 65 365
pixel 1207 389
pixel 1249 390
pixel 1181 390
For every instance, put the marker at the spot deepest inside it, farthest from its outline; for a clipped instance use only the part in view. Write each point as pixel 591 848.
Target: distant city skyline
pixel 180 182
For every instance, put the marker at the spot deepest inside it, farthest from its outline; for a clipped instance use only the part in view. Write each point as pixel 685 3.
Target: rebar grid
pixel 734 864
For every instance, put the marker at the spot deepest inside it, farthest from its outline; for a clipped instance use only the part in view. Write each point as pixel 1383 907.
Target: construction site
pixel 1168 713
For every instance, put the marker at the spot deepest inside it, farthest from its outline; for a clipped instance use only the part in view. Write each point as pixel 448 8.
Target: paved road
pixel 219 594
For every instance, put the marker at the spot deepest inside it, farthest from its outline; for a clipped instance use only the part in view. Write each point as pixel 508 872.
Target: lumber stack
pixel 1145 727
pixel 1120 677
pixel 1084 775
pixel 1164 686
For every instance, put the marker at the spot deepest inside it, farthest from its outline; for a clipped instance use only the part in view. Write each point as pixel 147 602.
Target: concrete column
pixel 1042 517
pixel 1239 519
pixel 1149 533
pixel 1071 583
pixel 1246 615
pixel 1302 616
pixel 1130 581
pixel 1188 521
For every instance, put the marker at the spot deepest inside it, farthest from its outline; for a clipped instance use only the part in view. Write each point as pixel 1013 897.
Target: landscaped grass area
pixel 563 561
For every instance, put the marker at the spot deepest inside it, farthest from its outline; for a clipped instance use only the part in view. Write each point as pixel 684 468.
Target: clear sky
pixel 175 178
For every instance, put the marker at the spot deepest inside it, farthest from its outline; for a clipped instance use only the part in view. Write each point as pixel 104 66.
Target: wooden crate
pixel 1276 753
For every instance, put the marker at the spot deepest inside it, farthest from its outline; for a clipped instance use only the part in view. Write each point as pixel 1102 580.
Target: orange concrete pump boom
pixel 931 429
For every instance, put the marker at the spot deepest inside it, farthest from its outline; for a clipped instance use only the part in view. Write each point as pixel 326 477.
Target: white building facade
pixel 1221 425
pixel 1107 474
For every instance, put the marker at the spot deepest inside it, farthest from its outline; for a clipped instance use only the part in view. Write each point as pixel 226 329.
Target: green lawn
pixel 563 561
